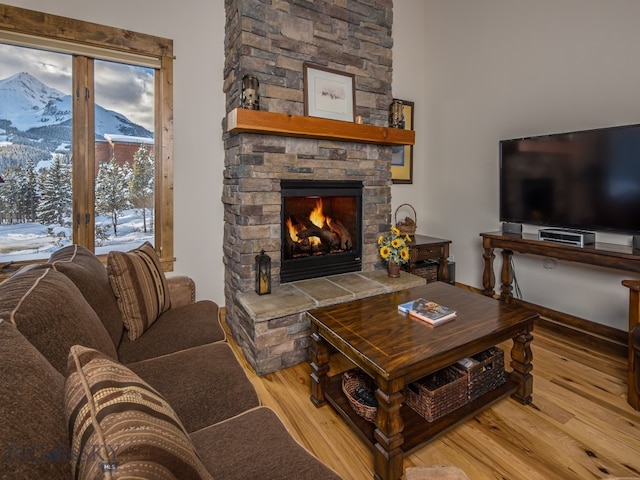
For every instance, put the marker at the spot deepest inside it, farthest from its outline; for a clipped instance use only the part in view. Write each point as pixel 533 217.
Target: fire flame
pixel 316 216
pixel 293 231
pixel 316 233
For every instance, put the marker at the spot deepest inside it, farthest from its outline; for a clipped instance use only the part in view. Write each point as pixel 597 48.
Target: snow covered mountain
pixel 27 104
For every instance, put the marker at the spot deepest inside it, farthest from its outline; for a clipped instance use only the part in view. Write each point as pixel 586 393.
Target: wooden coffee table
pixel 395 349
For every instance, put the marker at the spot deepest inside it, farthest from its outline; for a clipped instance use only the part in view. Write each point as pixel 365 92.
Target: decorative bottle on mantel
pixel 250 98
pixel 396 114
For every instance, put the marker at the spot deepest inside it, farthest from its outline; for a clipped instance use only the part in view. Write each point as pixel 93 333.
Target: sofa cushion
pixel 178 328
pixel 140 286
pixel 271 453
pixel 110 410
pixel 33 434
pixel 204 385
pixel 49 310
pixel 88 273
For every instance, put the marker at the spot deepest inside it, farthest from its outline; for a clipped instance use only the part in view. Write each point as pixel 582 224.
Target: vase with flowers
pixel 394 250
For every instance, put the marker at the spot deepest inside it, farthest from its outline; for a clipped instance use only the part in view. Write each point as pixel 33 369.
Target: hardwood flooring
pixel 579 425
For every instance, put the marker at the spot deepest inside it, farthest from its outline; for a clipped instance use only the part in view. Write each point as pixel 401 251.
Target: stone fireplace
pixel 272 40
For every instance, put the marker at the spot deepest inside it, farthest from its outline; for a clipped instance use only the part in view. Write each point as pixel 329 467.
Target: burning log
pixel 327 237
pixel 346 242
pixel 303 246
pixel 316 234
pixel 305 237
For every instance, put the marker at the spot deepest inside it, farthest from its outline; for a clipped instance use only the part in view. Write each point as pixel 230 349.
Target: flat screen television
pixel 585 180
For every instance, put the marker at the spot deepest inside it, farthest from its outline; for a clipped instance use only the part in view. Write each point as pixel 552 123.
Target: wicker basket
pixel 485 373
pixel 352 380
pixel 427 270
pixel 408 225
pixel 437 394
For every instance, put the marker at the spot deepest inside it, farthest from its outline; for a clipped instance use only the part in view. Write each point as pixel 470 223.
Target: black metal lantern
pixel 263 273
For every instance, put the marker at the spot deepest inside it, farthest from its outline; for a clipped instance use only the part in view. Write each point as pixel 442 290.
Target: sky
pixel 126 89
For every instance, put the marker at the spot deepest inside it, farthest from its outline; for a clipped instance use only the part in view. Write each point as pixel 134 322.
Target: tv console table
pixel 619 257
pixel 609 255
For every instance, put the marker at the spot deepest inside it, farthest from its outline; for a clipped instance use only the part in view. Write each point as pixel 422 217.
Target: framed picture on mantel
pixel 328 93
pixel 402 155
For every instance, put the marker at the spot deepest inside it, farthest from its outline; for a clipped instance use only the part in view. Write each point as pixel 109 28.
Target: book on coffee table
pixel 428 311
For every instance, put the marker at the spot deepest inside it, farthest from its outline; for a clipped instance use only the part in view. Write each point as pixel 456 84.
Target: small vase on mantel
pixel 393 269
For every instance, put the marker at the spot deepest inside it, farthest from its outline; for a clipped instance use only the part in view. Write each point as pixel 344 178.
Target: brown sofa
pixel 178 387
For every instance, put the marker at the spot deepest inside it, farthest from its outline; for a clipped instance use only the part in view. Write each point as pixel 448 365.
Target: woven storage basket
pixel 427 269
pixel 351 380
pixel 485 375
pixel 437 394
pixel 408 225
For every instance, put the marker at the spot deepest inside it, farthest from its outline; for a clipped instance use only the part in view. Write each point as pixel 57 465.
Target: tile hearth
pixel 275 327
pixel 305 295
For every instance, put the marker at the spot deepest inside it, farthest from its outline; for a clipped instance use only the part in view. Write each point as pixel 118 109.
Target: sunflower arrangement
pixel 393 248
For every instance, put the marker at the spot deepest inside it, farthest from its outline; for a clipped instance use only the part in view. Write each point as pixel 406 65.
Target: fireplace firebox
pixel 321 228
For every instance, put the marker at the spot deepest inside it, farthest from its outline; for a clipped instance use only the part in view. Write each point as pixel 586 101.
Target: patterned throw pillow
pixel 120 427
pixel 139 283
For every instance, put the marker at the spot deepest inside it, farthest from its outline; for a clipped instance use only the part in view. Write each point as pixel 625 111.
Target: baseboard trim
pixel 592 335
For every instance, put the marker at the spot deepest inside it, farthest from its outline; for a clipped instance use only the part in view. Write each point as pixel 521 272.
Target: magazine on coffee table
pixel 428 311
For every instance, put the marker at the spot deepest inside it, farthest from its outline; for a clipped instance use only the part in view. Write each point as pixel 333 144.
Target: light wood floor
pixel 579 425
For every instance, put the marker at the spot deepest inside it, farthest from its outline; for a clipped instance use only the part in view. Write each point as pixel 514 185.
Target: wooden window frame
pixel 87 41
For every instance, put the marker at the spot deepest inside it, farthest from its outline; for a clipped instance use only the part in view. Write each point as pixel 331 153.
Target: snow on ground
pixel 32 241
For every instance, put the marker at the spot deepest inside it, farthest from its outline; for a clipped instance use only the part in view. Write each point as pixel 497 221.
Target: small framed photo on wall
pixel 402 155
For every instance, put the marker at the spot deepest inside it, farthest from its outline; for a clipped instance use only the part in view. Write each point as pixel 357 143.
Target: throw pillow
pixel 139 283
pixel 88 273
pixel 120 427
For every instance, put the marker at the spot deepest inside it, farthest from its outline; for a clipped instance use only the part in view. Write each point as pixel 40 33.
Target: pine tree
pixel 141 181
pixel 19 195
pixel 55 191
pixel 4 198
pixel 29 196
pixel 112 192
pixel 10 195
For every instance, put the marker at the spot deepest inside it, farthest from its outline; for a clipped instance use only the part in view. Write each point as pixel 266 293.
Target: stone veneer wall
pixel 272 39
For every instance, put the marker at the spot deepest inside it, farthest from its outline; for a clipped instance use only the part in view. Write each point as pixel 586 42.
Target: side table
pixel 424 248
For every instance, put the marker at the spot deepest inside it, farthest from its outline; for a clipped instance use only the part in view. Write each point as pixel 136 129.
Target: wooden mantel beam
pixel 243 120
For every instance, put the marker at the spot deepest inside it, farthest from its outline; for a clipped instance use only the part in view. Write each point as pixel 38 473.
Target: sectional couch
pixel 119 371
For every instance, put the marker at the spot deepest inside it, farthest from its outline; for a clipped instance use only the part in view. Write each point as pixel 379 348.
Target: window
pixel 124 155
pixel 86 138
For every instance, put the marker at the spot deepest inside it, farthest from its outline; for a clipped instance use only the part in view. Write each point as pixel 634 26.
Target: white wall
pixel 477 71
pixel 501 69
pixel 410 82
pixel 197 29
